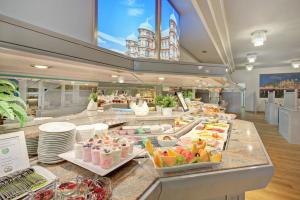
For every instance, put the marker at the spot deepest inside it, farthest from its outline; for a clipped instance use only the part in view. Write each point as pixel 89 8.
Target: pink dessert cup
pixel 106 159
pixel 124 150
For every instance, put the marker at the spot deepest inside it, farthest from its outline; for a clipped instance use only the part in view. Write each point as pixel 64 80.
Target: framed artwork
pixel 278 83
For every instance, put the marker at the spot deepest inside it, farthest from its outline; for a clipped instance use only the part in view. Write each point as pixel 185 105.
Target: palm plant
pixel 11 105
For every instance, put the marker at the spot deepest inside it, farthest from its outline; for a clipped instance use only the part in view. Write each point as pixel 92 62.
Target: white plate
pixel 55 127
pixel 69 156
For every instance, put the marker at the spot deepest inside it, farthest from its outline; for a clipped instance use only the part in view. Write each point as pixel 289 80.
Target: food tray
pixel 179 168
pixel 70 156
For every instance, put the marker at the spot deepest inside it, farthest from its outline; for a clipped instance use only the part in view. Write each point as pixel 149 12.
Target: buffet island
pixel 215 157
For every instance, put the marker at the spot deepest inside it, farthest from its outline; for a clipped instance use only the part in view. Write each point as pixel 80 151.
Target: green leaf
pixel 6 89
pixel 169 102
pixel 12 98
pixel 6 111
pixel 8 83
pixel 19 112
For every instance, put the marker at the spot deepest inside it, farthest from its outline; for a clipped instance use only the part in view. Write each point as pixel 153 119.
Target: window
pixel 170 29
pixel 128 26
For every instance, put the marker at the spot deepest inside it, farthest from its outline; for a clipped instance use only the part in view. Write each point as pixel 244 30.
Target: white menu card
pixel 13 153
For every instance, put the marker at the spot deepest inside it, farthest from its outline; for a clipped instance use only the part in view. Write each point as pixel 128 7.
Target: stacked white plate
pixel 55 138
pixel 84 132
pixel 32 145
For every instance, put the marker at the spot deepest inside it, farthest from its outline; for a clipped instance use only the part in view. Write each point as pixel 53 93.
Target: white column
pixel 62 95
pixel 23 89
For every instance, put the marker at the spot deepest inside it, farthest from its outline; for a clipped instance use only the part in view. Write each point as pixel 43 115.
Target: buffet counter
pixel 88 117
pixel 245 166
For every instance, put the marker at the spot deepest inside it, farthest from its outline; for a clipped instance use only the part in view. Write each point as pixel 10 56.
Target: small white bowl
pixel 166 143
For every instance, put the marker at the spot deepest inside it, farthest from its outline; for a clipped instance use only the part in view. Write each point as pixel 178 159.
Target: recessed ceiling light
pixel 251 57
pixel 40 66
pixel 161 78
pixel 296 64
pixel 258 37
pixel 114 76
pixel 249 67
pixel 200 67
pixel 121 79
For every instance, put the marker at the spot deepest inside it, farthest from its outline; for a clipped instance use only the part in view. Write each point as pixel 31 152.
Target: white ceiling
pixel 281 18
pixel 193 36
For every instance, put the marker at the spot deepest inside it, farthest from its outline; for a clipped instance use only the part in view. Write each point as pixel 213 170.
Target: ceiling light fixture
pixel 200 67
pixel 258 37
pixel 249 67
pixel 251 57
pixel 161 78
pixel 114 76
pixel 296 64
pixel 121 79
pixel 40 66
pixel 226 69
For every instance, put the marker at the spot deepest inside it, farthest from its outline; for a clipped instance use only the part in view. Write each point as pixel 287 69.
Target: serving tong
pixel 19 183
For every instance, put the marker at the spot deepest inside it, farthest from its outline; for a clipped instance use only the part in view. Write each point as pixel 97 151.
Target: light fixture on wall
pixel 249 67
pixel 40 66
pixel 251 57
pixel 258 37
pixel 296 64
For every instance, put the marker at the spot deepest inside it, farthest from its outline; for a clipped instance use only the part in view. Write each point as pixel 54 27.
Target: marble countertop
pixel 244 149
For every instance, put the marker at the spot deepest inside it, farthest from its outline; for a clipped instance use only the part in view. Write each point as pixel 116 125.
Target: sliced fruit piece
pixel 157 160
pixel 204 155
pixel 171 152
pixel 215 157
pixel 149 147
pixel 168 160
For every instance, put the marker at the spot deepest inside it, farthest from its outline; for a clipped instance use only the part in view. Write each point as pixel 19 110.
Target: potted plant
pixel 93 105
pixel 11 105
pixel 168 103
pixel 158 102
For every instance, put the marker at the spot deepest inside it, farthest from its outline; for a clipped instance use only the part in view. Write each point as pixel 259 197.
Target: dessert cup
pixel 106 158
pixel 96 155
pixel 78 150
pixel 117 154
pixel 124 150
pixel 87 154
